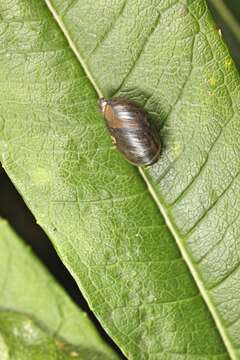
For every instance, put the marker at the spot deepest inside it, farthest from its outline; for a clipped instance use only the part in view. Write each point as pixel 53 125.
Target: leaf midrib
pixel 160 204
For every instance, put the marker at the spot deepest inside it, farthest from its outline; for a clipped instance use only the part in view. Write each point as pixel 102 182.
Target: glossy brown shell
pixel 133 134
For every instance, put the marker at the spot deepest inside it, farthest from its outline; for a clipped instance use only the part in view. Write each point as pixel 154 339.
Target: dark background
pixel 230 39
pixel 13 208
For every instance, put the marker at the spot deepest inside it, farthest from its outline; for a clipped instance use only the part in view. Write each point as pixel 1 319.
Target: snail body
pixel 134 135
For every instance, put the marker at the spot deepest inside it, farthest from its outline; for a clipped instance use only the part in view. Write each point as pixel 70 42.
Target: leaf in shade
pixel 37 319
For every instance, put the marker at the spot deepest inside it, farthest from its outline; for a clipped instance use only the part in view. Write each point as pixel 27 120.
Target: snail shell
pixel 134 135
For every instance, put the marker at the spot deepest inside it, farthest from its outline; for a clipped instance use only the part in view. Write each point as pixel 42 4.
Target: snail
pixel 135 137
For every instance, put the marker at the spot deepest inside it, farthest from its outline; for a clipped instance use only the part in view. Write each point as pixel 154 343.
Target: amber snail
pixel 135 137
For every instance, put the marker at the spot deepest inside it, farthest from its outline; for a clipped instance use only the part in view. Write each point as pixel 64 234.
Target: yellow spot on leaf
pixel 212 81
pixel 177 149
pixel 228 62
pixel 74 354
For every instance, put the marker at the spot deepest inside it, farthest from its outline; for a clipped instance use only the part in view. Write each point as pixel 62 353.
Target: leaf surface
pixel 36 316
pixel 180 70
pixel 94 206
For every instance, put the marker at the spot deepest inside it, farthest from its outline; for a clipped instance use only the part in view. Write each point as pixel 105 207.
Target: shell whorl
pixel 135 137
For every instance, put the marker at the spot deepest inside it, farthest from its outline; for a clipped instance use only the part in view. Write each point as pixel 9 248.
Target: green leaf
pixel 181 71
pixel 36 316
pixel 94 206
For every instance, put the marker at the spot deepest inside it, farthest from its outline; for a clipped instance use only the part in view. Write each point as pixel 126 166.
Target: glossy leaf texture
pixel 171 58
pixel 94 206
pixel 37 319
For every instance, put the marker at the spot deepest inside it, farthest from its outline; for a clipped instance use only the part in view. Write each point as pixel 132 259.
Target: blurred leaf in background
pixel 37 318
pixel 227 16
